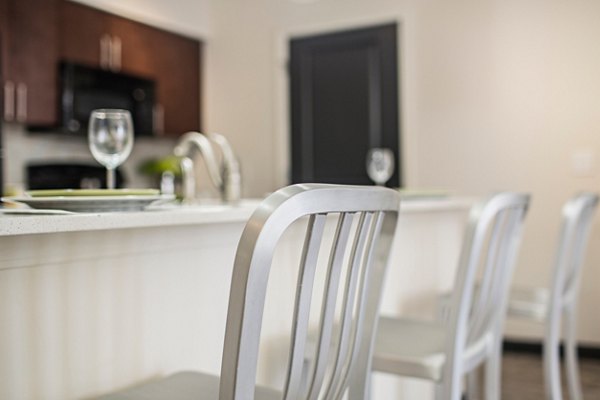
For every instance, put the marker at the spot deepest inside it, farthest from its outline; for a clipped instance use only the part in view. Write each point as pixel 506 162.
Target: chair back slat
pixel 306 277
pixel 373 230
pixel 344 337
pixel 357 260
pixel 334 271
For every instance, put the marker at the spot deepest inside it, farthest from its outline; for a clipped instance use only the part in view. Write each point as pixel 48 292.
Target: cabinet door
pixel 3 37
pixel 177 72
pixel 134 52
pixel 82 30
pixel 31 57
pixel 173 61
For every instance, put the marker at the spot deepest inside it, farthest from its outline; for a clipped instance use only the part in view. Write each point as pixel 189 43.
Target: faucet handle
pixel 167 182
pixel 188 179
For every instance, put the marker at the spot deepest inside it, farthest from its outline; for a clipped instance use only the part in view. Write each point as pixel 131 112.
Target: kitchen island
pixel 91 303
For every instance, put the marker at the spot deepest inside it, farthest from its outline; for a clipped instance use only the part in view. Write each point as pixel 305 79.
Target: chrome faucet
pixel 225 176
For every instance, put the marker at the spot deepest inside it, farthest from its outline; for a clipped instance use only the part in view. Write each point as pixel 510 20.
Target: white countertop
pixel 11 225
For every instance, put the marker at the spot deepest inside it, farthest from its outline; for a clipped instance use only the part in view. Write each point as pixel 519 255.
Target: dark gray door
pixel 344 101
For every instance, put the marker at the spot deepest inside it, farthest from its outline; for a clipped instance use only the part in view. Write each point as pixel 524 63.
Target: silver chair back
pixel 477 315
pixel 361 248
pixel 576 223
pixel 577 218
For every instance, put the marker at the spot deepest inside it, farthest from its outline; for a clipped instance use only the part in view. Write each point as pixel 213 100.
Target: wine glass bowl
pixel 110 137
pixel 380 165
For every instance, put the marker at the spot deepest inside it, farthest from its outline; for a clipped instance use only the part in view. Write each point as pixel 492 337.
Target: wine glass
pixel 380 165
pixel 110 137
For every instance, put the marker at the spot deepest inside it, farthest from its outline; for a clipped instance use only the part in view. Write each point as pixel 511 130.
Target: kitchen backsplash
pixel 22 147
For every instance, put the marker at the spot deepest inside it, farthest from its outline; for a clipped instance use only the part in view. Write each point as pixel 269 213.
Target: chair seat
pixel 528 303
pixel 410 348
pixel 186 385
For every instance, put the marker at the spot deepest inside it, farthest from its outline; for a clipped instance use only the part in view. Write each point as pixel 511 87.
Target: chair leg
pixel 450 388
pixel 492 373
pixel 572 364
pixel 473 389
pixel 552 363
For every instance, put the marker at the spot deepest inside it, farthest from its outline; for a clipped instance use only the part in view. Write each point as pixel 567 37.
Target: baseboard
pixel 517 346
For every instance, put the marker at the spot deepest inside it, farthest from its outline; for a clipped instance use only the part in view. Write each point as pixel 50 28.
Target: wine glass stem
pixel 110 178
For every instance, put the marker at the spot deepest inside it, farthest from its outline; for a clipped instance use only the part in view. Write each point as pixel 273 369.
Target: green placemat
pixel 91 192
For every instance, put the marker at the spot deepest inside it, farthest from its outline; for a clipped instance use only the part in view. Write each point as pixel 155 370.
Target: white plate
pixel 90 203
pixel 32 211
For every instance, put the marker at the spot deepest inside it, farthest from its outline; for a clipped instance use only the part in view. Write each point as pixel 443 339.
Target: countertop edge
pixel 14 225
pixel 41 224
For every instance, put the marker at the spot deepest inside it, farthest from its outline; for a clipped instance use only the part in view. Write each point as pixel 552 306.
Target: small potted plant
pixel 165 172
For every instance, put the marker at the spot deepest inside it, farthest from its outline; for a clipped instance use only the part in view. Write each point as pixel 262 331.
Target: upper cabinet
pixel 84 34
pixel 175 64
pixel 29 30
pixel 35 35
pixel 95 38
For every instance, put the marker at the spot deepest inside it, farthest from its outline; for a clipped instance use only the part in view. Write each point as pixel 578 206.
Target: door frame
pixel 282 114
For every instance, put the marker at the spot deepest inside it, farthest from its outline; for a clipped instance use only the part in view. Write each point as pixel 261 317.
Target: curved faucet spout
pixel 225 176
pixel 232 177
pixel 201 142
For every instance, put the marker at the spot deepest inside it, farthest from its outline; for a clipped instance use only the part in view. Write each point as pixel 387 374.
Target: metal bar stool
pixel 357 258
pixel 446 353
pixel 559 303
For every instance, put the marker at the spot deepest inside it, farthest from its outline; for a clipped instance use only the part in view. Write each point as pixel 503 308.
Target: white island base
pixel 97 302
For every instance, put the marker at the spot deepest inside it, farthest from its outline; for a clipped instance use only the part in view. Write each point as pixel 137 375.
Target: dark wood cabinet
pixel 82 30
pixel 135 53
pixel 30 54
pixel 176 68
pixel 95 38
pixel 35 35
pixel 173 61
pixel 3 38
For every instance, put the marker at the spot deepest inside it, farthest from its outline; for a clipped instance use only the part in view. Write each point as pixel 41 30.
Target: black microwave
pixel 84 89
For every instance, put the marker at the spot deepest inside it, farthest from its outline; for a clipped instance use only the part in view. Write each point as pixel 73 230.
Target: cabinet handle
pixel 21 102
pixel 105 51
pixel 9 101
pixel 158 120
pixel 115 54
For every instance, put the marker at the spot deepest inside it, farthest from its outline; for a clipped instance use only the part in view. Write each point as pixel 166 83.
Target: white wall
pixel 189 17
pixel 495 94
pixel 22 148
